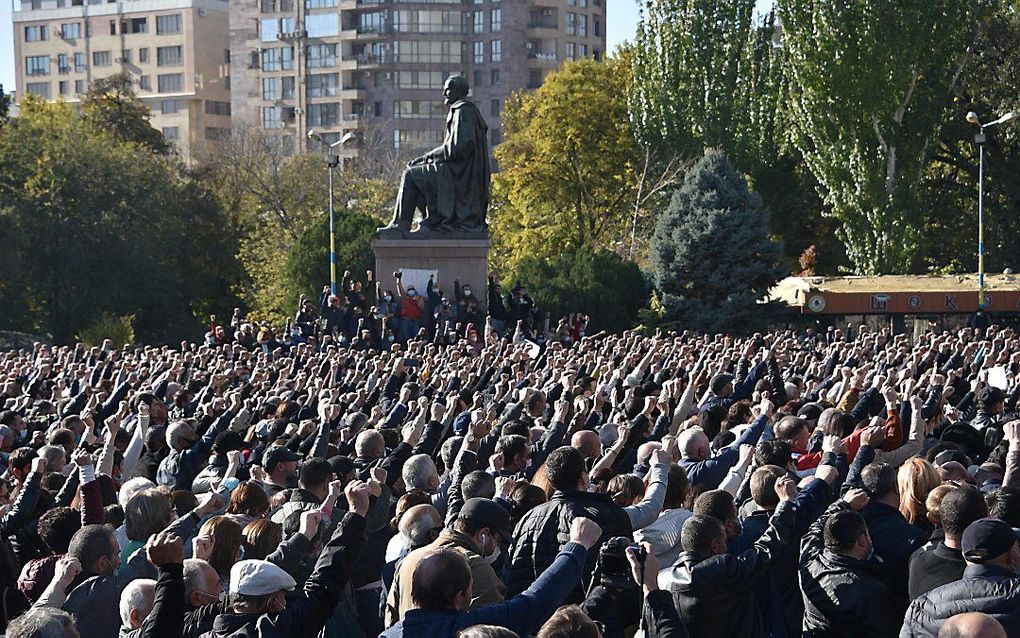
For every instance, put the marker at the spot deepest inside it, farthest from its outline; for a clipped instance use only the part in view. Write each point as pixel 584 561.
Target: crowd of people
pixel 816 483
pixel 364 315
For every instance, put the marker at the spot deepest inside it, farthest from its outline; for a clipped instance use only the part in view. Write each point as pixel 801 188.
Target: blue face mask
pixel 412 293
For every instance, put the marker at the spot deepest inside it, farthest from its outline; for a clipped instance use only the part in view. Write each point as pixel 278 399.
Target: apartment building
pixel 379 65
pixel 177 51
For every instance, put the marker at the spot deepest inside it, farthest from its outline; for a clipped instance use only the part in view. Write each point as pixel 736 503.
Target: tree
pixel 99 226
pixel 870 84
pixel 713 263
pixel 308 260
pixel 598 283
pixel 111 105
pixel 571 174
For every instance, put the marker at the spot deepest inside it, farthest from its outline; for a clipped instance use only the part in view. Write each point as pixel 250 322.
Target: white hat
pixel 258 578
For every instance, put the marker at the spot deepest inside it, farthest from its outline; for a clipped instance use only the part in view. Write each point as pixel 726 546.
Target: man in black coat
pixel 714 590
pixel 989 585
pixel 546 528
pixel 938 563
pixel 844 594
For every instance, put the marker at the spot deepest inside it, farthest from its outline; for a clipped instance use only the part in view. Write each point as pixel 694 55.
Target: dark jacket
pixel 984 588
pixel 166 620
pixel 307 613
pixel 661 617
pixel 523 613
pixel 546 528
pixel 95 600
pixel 895 540
pixel 843 596
pixel 711 471
pixel 180 467
pixel 934 567
pixel 715 596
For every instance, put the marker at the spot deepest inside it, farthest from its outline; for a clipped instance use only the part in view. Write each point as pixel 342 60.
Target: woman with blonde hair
pixel 916 479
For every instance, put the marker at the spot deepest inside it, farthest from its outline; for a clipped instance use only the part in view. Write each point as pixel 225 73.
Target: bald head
pixel 972 625
pixel 587 443
pixel 644 452
pixel 418 523
pixel 370 443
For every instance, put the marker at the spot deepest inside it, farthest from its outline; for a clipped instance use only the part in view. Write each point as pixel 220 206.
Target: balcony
pixel 368 60
pixel 371 33
pixel 349 5
pixel 353 93
pixel 542 56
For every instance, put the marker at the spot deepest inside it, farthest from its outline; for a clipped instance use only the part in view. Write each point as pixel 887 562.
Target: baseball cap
pixel 341 465
pixel 719 382
pixel 990 395
pixel 258 578
pixel 488 513
pixel 279 454
pixel 810 411
pixel 985 539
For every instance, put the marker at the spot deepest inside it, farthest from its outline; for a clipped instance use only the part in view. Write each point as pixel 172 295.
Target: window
pixel 582 26
pixel 496 50
pixel 322 25
pixel 496 20
pixel 79 62
pixel 270 89
pixel 372 22
pixel 494 77
pixel 70 30
pixel 170 82
pixel 428 21
pixel 377 109
pixel 596 26
pixel 216 133
pixel 494 108
pixel 113 27
pixel 421 79
pixel 495 137
pixel 144 83
pixel 582 50
pixel 479 21
pixel 582 3
pixel 323 85
pixel 79 86
pixel 226 56
pixel 169 107
pixel 63 65
pixel 101 58
pixel 168 24
pixel 427 51
pixel 477 78
pixel 571 53
pixel 571 3
pixel 324 114
pixel 416 139
pixel 143 55
pixel 136 25
pixel 281 59
pixel 213 107
pixel 171 133
pixel 170 56
pixel 37 33
pixel 271 117
pixel 37 65
pixel 269 30
pixel 534 78
pixel 42 89
pixel 125 56
pixel 64 87
pixel 321 56
pixel 571 23
pixel 320 4
pixel 479 55
pixel 417 109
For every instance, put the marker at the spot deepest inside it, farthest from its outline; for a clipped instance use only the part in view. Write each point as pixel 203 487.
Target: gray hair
pixel 687 441
pixel 54 455
pixel 140 594
pixel 132 487
pixel 416 524
pixel 43 622
pixel 418 470
pixel 369 443
pixel 195 572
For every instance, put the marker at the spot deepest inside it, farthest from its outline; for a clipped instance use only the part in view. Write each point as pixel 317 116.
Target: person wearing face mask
pixel 990 583
pixel 189 452
pixel 412 309
pixel 388 310
pixel 477 533
pixel 842 584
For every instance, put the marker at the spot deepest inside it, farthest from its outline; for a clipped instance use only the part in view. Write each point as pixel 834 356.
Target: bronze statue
pixel 450 183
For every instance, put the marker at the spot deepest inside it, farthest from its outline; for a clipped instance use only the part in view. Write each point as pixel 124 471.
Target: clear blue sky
pixel 622 20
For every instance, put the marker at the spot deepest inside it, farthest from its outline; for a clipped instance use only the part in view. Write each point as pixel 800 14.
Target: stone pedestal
pixel 465 260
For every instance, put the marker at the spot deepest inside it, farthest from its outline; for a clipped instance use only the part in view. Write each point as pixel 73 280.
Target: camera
pixel 613 569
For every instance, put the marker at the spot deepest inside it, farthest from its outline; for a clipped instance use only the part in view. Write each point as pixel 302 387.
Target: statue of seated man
pixel 450 183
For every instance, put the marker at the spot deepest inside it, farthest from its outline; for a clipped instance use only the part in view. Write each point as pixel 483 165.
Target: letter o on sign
pixel 816 303
pixel 913 302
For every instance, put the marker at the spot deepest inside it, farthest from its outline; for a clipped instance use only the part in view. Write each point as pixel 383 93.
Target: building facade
pixel 377 67
pixel 176 51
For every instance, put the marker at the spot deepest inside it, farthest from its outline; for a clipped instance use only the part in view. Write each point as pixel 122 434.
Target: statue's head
pixel 455 89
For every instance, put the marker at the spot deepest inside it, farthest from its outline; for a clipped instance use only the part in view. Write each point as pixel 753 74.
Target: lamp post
pixel 332 161
pixel 980 140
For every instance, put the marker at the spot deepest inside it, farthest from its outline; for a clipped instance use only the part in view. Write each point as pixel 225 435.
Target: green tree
pixel 713 263
pixel 308 260
pixel 870 84
pixel 103 226
pixel 571 174
pixel 111 105
pixel 598 283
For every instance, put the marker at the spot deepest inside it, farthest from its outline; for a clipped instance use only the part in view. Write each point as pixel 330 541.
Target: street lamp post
pixel 332 161
pixel 980 138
